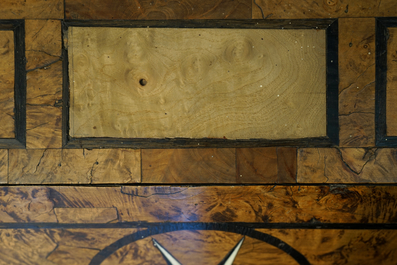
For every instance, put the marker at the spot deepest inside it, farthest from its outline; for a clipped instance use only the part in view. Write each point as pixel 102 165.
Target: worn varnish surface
pixel 273 204
pixel 173 166
pixel 216 83
pixel 348 165
pixel 357 82
pixel 391 88
pixel 158 10
pixel 285 9
pixel 74 166
pixel 7 123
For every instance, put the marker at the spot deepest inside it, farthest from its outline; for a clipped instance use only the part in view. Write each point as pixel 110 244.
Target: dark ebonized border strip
pixel 65 89
pixel 140 184
pixel 18 27
pixel 123 225
pixel 200 23
pixel 331 26
pixel 333 83
pixel 382 35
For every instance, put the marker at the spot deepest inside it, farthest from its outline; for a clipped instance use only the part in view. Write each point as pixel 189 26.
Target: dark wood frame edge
pixel 332 138
pixel 18 27
pixel 381 37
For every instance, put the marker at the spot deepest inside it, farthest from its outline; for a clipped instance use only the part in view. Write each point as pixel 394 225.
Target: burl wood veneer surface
pixel 287 9
pixel 80 245
pixel 341 246
pixel 356 82
pixel 158 10
pixel 262 204
pixel 7 124
pixel 36 9
pixel 197 83
pixel 391 88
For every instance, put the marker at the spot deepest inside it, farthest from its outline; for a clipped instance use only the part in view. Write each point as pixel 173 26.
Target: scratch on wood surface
pixel 38 164
pixel 44 66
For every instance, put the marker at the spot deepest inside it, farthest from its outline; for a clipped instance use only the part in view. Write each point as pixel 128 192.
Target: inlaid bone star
pixel 171 260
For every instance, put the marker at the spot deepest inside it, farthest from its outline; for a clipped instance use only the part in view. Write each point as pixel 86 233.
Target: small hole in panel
pixel 142 82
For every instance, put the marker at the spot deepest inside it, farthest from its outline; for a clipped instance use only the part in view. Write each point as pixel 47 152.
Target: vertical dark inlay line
pixel 381 33
pixel 64 9
pixel 20 83
pixel 332 104
pixel 65 88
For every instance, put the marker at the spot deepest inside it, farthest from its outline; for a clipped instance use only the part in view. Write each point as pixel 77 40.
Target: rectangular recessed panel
pixel 391 88
pixel 197 83
pixel 7 123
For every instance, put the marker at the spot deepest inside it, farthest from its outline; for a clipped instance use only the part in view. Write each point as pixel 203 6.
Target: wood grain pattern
pixel 286 164
pixel 266 165
pixel 79 246
pixel 3 166
pixel 347 165
pixel 357 82
pixel 55 246
pixel 86 215
pixel 275 9
pixel 270 204
pixel 391 88
pixel 189 165
pixel 341 246
pixel 36 9
pixel 44 107
pixel 43 43
pixel 43 46
pixel 216 83
pixel 27 246
pixel 256 165
pixel 7 128
pixel 75 166
pixel 158 10
pixel 26 205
